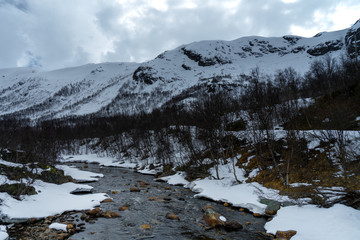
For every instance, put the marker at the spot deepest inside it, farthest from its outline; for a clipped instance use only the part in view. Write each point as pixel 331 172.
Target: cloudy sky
pixel 62 33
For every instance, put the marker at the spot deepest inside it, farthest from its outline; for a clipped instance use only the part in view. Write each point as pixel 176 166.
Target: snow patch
pixel 58 226
pixel 314 223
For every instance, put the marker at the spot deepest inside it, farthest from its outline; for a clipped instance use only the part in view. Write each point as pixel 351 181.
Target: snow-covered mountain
pixel 110 88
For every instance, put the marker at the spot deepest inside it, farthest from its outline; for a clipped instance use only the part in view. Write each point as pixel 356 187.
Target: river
pixel 150 206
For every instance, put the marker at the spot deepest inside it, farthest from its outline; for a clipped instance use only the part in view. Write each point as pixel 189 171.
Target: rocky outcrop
pixel 147 75
pixel 205 61
pixel 352 40
pixel 323 48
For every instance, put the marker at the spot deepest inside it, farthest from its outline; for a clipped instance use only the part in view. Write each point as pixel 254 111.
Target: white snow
pixel 10 164
pixel 94 158
pixel 313 223
pixel 176 179
pixel 79 175
pixel 58 226
pixel 50 199
pixel 3 233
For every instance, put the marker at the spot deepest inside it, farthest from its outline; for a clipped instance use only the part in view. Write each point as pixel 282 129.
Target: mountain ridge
pixel 113 88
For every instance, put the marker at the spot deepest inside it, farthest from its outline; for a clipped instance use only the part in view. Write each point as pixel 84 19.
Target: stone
pixel 167 188
pixel 142 183
pixel 248 223
pixel 84 216
pixel 226 204
pixel 285 235
pixel 86 166
pixel 272 206
pixel 107 200
pixel 134 189
pixel 212 218
pixel 94 212
pixel 123 208
pixel 172 216
pixel 146 226
pixel 111 214
pixel 69 227
pixel 258 215
pixel 114 192
pixel 232 226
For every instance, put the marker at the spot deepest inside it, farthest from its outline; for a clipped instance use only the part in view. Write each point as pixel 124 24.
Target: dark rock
pixel 323 48
pixel 272 206
pixel 232 226
pixel 146 75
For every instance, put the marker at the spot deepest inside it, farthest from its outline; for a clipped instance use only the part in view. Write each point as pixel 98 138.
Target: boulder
pixel 107 200
pixel 232 226
pixel 212 218
pixel 216 220
pixel 272 206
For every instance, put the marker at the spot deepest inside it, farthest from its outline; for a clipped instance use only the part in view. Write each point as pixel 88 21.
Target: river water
pixel 144 210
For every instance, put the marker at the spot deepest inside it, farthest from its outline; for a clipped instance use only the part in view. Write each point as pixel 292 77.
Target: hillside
pixel 184 73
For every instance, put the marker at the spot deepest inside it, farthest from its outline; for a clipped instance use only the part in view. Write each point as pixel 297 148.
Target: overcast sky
pixel 64 33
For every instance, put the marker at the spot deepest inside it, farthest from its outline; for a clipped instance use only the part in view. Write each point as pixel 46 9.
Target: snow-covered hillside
pixel 110 88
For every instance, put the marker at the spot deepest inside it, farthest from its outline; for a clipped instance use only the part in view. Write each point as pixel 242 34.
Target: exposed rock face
pixel 323 48
pixel 145 75
pixel 352 40
pixel 204 61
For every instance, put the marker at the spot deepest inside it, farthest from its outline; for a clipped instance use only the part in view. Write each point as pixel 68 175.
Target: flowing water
pixel 143 209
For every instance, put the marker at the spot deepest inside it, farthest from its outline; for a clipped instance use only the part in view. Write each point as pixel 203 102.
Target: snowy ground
pixel 51 199
pixel 79 175
pixel 310 222
pixel 94 158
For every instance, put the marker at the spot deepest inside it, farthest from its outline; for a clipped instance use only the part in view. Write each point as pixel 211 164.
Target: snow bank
pixel 313 223
pixel 51 199
pixel 227 189
pixel 94 158
pixel 176 179
pixel 79 175
pixel 10 164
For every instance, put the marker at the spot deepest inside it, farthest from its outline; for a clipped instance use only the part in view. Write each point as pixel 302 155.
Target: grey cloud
pixel 67 33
